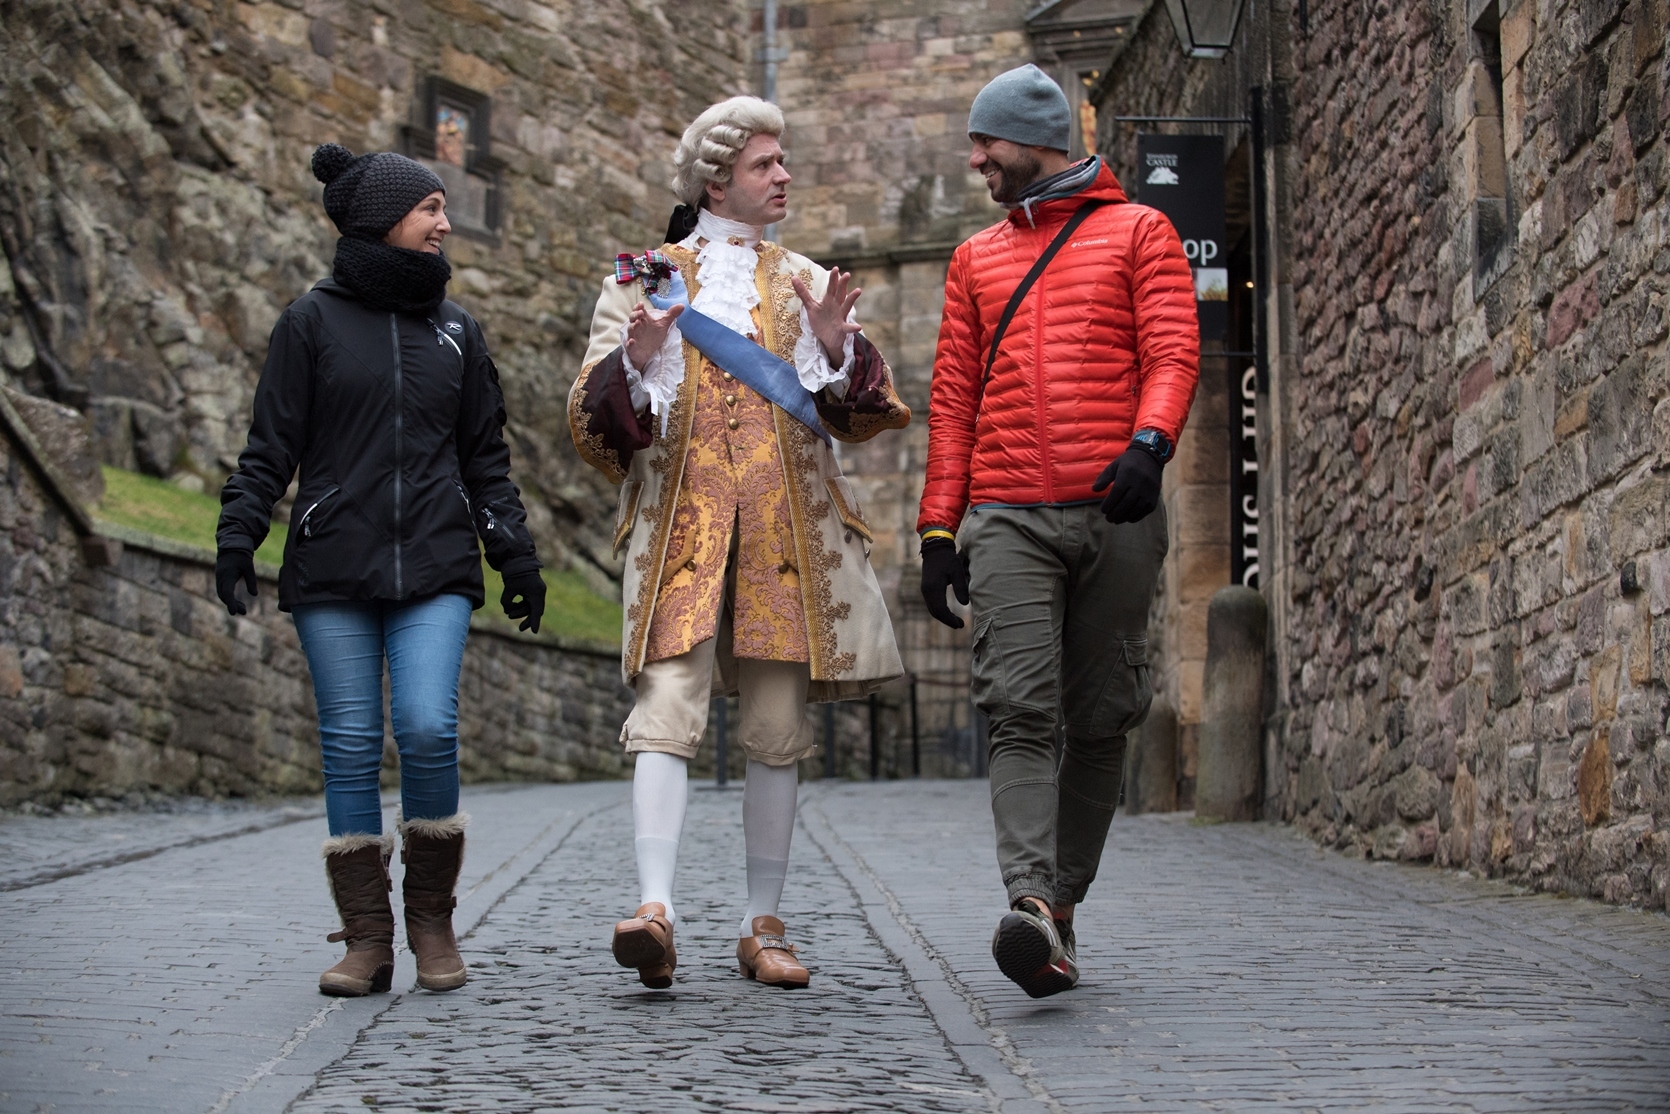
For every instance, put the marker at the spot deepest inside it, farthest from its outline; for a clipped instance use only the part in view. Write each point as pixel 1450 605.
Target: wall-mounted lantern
pixel 1205 28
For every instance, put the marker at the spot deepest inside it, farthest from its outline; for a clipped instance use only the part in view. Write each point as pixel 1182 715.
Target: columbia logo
pixel 1087 243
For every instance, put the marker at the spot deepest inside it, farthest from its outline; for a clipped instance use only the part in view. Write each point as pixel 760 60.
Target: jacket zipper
pixel 306 524
pixel 1038 387
pixel 394 334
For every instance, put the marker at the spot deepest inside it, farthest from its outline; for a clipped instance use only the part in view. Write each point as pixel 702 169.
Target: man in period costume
pixel 719 369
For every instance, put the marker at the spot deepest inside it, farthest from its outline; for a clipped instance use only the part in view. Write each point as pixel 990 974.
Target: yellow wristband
pixel 938 533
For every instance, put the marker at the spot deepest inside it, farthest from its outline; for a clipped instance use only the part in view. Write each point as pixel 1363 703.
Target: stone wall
pixel 121 673
pixel 157 212
pixel 1466 531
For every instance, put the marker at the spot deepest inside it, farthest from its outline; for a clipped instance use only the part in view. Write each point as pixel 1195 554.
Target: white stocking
pixel 768 802
pixel 660 792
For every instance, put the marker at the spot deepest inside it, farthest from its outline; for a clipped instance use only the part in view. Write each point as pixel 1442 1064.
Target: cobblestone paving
pixel 548 1021
pixel 1238 967
pixel 187 980
pixel 1226 968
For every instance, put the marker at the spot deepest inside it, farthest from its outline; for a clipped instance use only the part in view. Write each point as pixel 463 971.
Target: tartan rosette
pixel 654 268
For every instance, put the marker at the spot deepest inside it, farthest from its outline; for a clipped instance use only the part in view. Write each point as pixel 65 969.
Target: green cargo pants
pixel 1061 600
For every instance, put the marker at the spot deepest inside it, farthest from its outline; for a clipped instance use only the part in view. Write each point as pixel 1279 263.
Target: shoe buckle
pixel 767 940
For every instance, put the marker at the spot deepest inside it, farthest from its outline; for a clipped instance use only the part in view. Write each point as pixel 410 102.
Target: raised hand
pixel 646 331
pixel 828 316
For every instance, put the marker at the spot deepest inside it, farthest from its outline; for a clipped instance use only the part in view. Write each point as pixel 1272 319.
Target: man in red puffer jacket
pixel 1047 457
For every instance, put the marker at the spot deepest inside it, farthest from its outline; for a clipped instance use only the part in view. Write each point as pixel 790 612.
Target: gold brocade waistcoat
pixel 733 477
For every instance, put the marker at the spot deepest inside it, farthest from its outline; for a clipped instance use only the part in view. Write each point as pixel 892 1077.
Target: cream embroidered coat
pixel 849 634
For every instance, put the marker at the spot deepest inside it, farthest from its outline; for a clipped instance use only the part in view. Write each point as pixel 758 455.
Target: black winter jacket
pixel 395 420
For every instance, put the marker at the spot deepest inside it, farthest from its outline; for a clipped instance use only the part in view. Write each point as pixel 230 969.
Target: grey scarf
pixel 1065 184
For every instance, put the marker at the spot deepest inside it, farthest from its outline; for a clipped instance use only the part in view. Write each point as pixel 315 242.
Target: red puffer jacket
pixel 1107 342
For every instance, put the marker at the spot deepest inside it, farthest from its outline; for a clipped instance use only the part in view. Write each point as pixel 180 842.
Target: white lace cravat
pixel 726 271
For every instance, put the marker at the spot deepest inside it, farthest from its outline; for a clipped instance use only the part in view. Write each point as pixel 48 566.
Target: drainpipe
pixel 768 54
pixel 769 50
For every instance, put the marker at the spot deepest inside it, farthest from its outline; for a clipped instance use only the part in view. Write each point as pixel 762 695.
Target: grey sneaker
pixel 1069 951
pixel 1030 952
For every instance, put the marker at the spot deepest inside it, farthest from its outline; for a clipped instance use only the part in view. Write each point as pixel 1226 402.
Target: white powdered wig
pixel 711 144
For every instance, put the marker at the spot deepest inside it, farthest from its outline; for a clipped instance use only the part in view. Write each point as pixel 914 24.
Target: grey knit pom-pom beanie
pixel 369 194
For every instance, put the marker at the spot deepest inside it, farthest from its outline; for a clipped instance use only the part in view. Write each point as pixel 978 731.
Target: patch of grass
pixel 572 609
pixel 159 507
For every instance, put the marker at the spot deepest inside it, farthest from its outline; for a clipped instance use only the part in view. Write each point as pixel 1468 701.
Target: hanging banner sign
pixel 1183 177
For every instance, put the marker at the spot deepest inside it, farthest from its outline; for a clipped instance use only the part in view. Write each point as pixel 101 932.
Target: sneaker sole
pixel 1023 955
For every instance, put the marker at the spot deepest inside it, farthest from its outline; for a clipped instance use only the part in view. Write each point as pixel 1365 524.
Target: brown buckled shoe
pixel 357 867
pixel 433 854
pixel 768 957
pixel 645 941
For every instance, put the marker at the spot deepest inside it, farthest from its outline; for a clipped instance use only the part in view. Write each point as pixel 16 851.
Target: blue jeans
pixel 345 644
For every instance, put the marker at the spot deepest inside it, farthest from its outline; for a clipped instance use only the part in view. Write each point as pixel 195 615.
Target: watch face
pixel 1154 440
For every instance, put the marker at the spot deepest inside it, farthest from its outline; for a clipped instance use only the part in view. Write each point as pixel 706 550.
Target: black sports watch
pixel 1155 442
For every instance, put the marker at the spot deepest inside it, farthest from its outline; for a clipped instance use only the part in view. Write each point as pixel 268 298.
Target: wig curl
pixel 710 145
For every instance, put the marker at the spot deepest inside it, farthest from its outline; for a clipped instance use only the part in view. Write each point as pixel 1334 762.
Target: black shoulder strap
pixel 1015 299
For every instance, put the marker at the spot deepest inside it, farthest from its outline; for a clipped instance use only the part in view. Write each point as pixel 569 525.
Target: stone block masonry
pixel 1465 494
pixel 157 212
pixel 123 674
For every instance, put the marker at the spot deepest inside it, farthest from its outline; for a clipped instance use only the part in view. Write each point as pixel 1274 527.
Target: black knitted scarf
pixel 389 278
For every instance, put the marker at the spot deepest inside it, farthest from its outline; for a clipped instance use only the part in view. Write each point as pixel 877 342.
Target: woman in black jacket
pixel 383 393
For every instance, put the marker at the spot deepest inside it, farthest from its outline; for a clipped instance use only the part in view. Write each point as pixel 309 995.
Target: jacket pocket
pixel 847 510
pixel 315 513
pixel 338 550
pixel 627 512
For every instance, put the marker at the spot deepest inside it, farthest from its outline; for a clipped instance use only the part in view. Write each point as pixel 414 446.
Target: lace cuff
pixel 635 378
pixel 812 364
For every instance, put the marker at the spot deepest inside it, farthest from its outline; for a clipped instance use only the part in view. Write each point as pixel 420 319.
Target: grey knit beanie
pixel 1023 106
pixel 370 194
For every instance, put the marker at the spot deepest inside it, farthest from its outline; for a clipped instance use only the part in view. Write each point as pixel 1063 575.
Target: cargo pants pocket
pixel 986 685
pixel 1127 692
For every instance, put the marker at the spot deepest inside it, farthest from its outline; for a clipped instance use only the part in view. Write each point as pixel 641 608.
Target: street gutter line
pixel 284 1052
pixel 1010 1066
pixel 56 874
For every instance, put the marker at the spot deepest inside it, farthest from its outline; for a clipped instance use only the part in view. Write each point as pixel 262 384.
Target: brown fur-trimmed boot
pixel 357 867
pixel 433 851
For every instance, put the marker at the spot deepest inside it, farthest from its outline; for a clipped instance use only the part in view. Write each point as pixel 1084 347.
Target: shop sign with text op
pixel 1183 177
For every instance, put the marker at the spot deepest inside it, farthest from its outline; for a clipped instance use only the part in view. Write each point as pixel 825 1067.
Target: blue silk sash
pixel 757 368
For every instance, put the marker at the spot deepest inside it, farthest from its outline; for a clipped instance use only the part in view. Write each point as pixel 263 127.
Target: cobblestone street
pixel 167 961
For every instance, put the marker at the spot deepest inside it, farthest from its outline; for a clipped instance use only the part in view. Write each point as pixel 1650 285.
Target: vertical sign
pixel 1243 474
pixel 1183 177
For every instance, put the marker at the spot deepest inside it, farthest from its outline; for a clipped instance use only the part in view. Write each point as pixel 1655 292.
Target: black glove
pixel 1135 476
pixel 943 567
pixel 231 566
pixel 531 587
